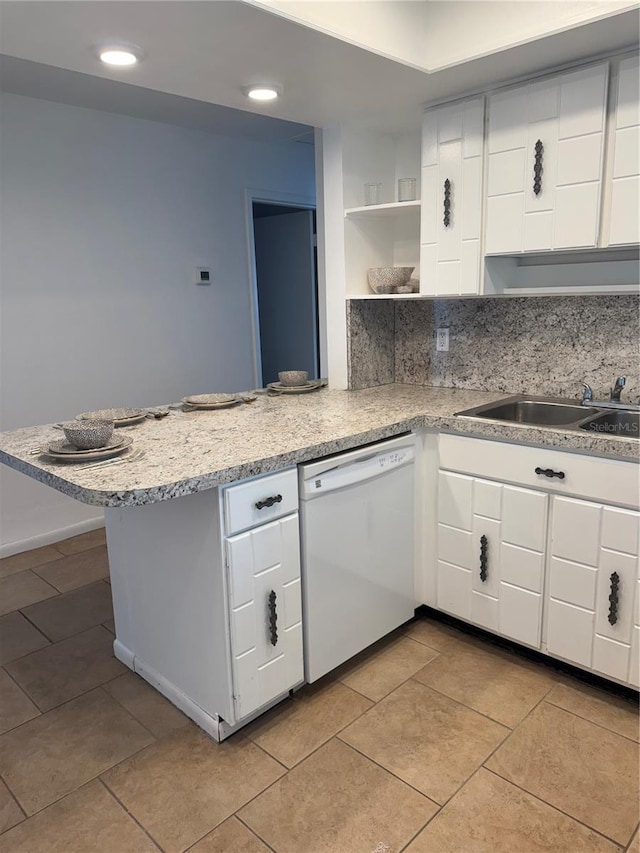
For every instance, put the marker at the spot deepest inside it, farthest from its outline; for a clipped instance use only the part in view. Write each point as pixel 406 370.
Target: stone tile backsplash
pixel 536 345
pixel 370 342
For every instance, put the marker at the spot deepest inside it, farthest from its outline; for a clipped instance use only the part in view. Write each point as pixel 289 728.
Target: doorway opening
pixel 286 325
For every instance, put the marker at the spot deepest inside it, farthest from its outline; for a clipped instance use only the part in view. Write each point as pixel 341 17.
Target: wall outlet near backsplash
pixel 442 340
pixel 543 345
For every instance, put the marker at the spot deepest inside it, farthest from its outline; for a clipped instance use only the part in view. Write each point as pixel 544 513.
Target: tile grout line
pixel 397 686
pixel 515 784
pixel 245 824
pixel 395 775
pixel 16 801
pixel 468 707
pixel 627 849
pixel 50 646
pixel 86 781
pixel 40 631
pixel 313 751
pixel 441 806
pixel 556 808
pixel 129 813
pixel 593 722
pixel 22 690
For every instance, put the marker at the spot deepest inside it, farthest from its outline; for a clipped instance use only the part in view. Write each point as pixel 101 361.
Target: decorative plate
pixel 85 455
pixel 64 446
pixel 312 385
pixel 211 401
pixel 120 417
pixel 206 399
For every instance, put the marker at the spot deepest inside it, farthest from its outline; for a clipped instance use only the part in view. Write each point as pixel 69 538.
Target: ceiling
pixel 206 51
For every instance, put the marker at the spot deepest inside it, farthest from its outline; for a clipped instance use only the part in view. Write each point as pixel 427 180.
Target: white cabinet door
pixel 263 568
pixel 593 580
pixel 452 199
pixel 624 221
pixel 491 540
pixel 545 158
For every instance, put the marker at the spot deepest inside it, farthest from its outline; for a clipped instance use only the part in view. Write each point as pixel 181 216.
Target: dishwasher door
pixel 357 533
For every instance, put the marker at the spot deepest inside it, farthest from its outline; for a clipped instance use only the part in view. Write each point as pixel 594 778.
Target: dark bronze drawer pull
pixel 273 619
pixel 613 598
pixel 549 472
pixel 484 545
pixel 274 499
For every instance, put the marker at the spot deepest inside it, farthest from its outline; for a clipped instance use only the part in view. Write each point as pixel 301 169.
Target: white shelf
pixel 385 295
pixel 374 211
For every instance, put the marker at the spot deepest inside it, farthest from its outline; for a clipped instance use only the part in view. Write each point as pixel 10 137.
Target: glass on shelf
pixel 406 189
pixel 372 193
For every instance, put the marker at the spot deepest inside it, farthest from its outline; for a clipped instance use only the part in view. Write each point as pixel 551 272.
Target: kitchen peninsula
pixel 187 548
pixel 193 452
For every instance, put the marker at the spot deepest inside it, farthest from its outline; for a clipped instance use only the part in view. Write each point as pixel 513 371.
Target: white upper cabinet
pixel 452 161
pixel 624 220
pixel 545 162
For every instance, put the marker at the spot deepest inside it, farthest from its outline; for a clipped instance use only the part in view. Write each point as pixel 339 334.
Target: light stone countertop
pixel 194 451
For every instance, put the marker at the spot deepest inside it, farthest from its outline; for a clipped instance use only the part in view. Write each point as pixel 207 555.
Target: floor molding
pixel 51 536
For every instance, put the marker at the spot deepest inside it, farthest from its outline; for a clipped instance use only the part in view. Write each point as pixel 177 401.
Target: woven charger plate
pixel 209 399
pixel 86 455
pixel 120 417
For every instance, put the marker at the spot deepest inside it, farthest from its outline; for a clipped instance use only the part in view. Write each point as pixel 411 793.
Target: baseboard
pixel 51 536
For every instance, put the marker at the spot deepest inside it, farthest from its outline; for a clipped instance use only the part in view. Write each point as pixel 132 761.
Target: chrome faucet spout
pixel 617 388
pixel 587 394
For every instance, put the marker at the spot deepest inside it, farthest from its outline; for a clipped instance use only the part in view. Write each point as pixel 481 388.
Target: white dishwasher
pixel 357 531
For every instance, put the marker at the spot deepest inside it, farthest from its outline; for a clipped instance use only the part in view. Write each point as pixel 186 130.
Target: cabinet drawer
pixel 609 480
pixel 249 503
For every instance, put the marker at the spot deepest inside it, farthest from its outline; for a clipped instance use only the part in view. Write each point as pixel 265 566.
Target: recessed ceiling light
pixel 262 92
pixel 119 55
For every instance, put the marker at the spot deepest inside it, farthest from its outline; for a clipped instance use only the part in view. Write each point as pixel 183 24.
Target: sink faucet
pixel 614 396
pixel 613 402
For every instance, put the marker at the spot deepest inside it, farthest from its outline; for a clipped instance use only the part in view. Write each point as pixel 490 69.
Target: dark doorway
pixel 286 273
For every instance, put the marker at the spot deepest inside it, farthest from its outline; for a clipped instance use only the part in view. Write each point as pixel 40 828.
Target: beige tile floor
pixel 432 742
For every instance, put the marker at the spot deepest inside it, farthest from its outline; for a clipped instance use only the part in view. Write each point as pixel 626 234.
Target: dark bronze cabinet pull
pixel 274 499
pixel 613 598
pixel 447 203
pixel 537 168
pixel 484 545
pixel 549 472
pixel 273 619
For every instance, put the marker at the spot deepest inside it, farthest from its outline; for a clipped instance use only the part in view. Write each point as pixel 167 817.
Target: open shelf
pixel 374 211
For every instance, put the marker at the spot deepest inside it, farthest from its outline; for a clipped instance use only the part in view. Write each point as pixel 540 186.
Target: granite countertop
pixel 192 451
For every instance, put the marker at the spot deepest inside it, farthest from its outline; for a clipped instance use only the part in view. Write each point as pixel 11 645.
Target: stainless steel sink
pixel 615 422
pixel 534 411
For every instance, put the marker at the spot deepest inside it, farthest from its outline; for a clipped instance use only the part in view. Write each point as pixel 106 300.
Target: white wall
pixel 102 219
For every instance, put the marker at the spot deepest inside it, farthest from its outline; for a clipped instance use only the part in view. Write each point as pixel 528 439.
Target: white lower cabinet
pixel 491 540
pixel 593 586
pixel 552 567
pixel 265 603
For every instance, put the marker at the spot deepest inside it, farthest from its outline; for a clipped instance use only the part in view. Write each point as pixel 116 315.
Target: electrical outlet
pixel 442 340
